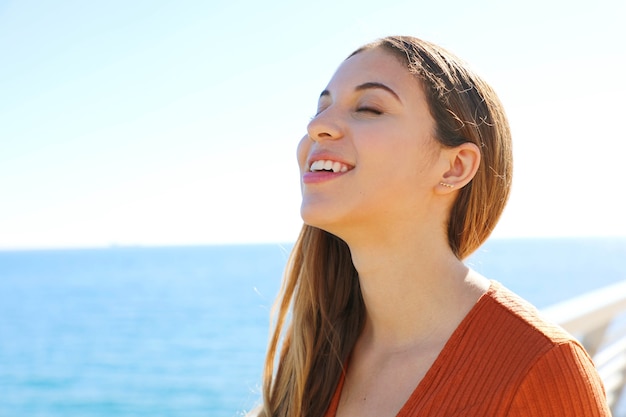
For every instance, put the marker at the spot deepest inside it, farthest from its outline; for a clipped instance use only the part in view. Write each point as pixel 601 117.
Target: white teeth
pixel 328 165
pixel 317 166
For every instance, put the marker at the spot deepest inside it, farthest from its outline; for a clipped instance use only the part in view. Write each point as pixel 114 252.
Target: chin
pixel 322 221
pixel 316 217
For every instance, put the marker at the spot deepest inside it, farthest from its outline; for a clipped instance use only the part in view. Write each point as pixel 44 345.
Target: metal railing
pixel 598 320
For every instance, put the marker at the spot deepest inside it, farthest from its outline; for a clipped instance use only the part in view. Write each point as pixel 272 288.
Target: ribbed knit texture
pixel 504 360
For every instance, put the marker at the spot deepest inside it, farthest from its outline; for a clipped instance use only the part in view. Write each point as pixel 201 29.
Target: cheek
pixel 405 161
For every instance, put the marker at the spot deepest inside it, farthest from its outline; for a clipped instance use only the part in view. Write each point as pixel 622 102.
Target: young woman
pixel 405 171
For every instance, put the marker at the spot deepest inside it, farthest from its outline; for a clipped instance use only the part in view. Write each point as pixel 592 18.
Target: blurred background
pixel 160 122
pixel 149 192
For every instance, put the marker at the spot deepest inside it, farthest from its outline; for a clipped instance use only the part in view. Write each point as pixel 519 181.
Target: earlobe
pixel 463 163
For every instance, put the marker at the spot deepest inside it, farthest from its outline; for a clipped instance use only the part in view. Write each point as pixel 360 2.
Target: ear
pixel 462 164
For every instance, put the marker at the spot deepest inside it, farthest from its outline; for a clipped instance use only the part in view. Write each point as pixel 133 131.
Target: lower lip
pixel 320 176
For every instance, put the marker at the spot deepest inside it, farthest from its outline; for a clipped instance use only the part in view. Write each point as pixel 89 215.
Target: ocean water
pixel 132 331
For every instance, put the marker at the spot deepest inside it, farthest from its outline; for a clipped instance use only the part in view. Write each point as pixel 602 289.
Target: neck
pixel 413 287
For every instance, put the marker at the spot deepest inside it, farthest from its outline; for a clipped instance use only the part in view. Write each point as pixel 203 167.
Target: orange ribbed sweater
pixel 504 360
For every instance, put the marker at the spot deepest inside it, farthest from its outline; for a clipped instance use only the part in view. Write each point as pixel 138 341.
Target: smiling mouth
pixel 326 165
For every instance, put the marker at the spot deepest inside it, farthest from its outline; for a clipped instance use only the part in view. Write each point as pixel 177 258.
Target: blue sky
pixel 162 122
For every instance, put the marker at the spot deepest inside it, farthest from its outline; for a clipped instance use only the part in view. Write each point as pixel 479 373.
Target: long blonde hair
pixel 307 353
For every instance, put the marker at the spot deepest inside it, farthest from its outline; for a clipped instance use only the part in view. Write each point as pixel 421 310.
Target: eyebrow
pixel 369 86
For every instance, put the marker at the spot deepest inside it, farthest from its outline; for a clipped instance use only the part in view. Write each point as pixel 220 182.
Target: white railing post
pixel 598 320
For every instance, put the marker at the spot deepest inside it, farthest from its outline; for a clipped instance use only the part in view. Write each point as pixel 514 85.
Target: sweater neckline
pixel 435 369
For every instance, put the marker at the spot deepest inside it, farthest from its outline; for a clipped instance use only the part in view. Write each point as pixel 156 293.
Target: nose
pixel 324 126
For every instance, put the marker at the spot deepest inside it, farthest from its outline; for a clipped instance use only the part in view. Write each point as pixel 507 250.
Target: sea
pixel 182 331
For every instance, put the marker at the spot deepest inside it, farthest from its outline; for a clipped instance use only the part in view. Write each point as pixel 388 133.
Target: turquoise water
pixel 182 331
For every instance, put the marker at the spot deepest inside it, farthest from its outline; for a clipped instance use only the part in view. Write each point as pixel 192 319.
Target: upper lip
pixel 331 162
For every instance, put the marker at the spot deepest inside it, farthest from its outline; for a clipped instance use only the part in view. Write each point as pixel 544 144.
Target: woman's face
pixel 370 157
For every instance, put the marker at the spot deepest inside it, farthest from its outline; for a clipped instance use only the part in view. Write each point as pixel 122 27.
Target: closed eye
pixel 369 110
